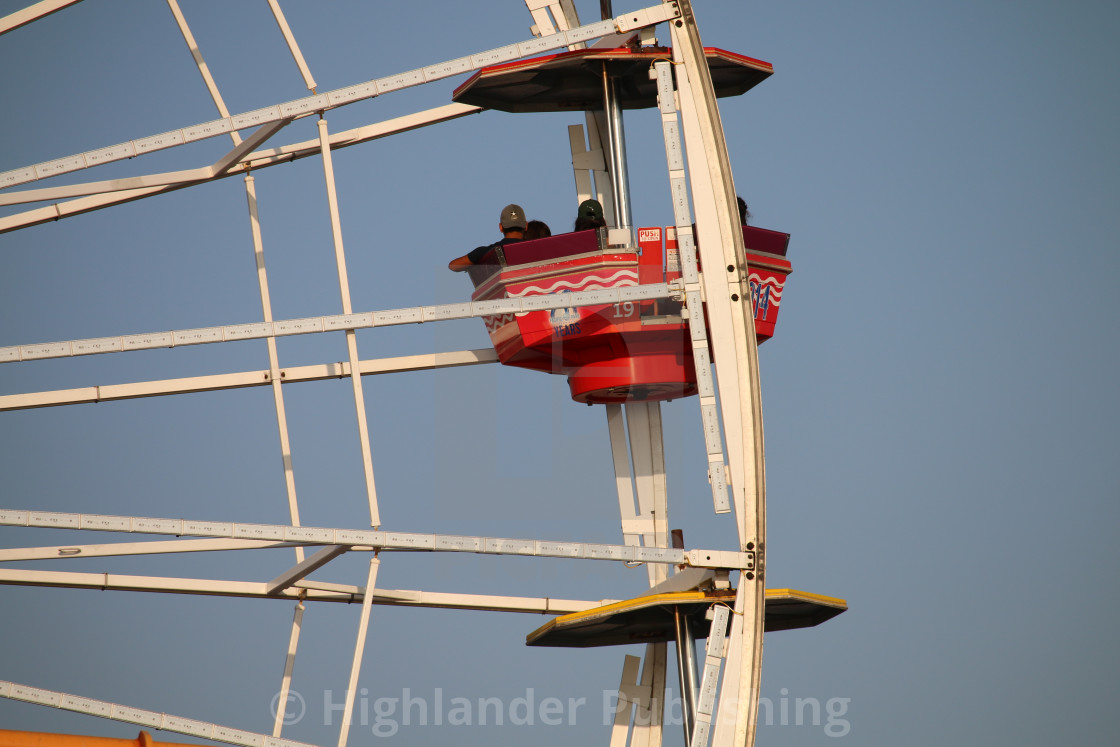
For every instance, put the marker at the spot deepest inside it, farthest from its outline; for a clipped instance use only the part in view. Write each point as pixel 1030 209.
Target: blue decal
pixel 760 297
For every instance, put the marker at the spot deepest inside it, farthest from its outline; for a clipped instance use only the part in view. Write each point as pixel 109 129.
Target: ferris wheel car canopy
pixel 650 619
pixel 573 81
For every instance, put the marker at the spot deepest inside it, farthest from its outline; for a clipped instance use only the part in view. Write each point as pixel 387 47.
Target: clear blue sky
pixel 940 399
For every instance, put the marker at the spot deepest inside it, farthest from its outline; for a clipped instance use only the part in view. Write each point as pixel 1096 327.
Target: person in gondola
pixel 537 229
pixel 590 215
pixel 512 225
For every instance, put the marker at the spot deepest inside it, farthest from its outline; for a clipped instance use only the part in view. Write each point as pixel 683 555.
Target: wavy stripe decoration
pixel 620 279
pixel 775 287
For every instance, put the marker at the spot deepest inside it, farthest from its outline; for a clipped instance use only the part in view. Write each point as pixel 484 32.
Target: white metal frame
pixel 731 404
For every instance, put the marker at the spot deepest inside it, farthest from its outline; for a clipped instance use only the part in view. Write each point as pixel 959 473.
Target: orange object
pixel 45 739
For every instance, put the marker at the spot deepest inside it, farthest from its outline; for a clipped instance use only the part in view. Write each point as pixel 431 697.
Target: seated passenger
pixel 537 229
pixel 590 215
pixel 512 225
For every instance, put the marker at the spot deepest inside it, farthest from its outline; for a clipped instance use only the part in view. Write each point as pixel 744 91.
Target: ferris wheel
pixel 632 316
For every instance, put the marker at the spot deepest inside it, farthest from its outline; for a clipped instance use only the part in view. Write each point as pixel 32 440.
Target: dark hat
pixel 513 217
pixel 590 209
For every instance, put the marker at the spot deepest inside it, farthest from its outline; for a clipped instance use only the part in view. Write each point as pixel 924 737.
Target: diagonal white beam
pixel 185 178
pixel 305 568
pixel 258 160
pixel 359 649
pixel 336 98
pixel 32 13
pixel 293 47
pixel 152 719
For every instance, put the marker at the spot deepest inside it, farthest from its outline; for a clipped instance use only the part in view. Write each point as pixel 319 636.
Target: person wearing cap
pixel 512 225
pixel 589 215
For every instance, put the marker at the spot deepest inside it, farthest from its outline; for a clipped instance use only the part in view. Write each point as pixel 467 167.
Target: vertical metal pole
pixel 262 277
pixel 289 664
pixel 359 649
pixel 713 659
pixel 616 145
pixel 351 339
pixel 650 714
pixel 273 358
pixel 686 670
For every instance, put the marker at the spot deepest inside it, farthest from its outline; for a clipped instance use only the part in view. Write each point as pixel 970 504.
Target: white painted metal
pixel 688 579
pixel 150 719
pixel 359 649
pixel 584 162
pixel 732 341
pixel 408 541
pixel 589 163
pixel 705 704
pixel 630 694
pixel 305 568
pixel 633 525
pixel 114 549
pixel 649 716
pixel 32 13
pixel 336 323
pixel 258 160
pixel 682 218
pixel 333 99
pixel 273 358
pixel 222 167
pixel 293 47
pixel 289 665
pixel 216 382
pixel 736 359
pixel 203 68
pixel 643 421
pixel 311 591
pixel 347 310
pixel 639 426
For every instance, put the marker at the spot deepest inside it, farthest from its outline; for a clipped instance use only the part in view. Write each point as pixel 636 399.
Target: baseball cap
pixel 513 217
pixel 590 209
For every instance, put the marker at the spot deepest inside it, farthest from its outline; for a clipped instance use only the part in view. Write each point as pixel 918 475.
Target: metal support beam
pixel 310 591
pixel 289 665
pixel 258 160
pixel 735 350
pixel 217 382
pixel 359 649
pixel 380 540
pixel 222 167
pixel 339 97
pixel 351 337
pixel 289 37
pixel 334 323
pixel 150 719
pixel 686 670
pixel 117 549
pixel 305 568
pixel 32 13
